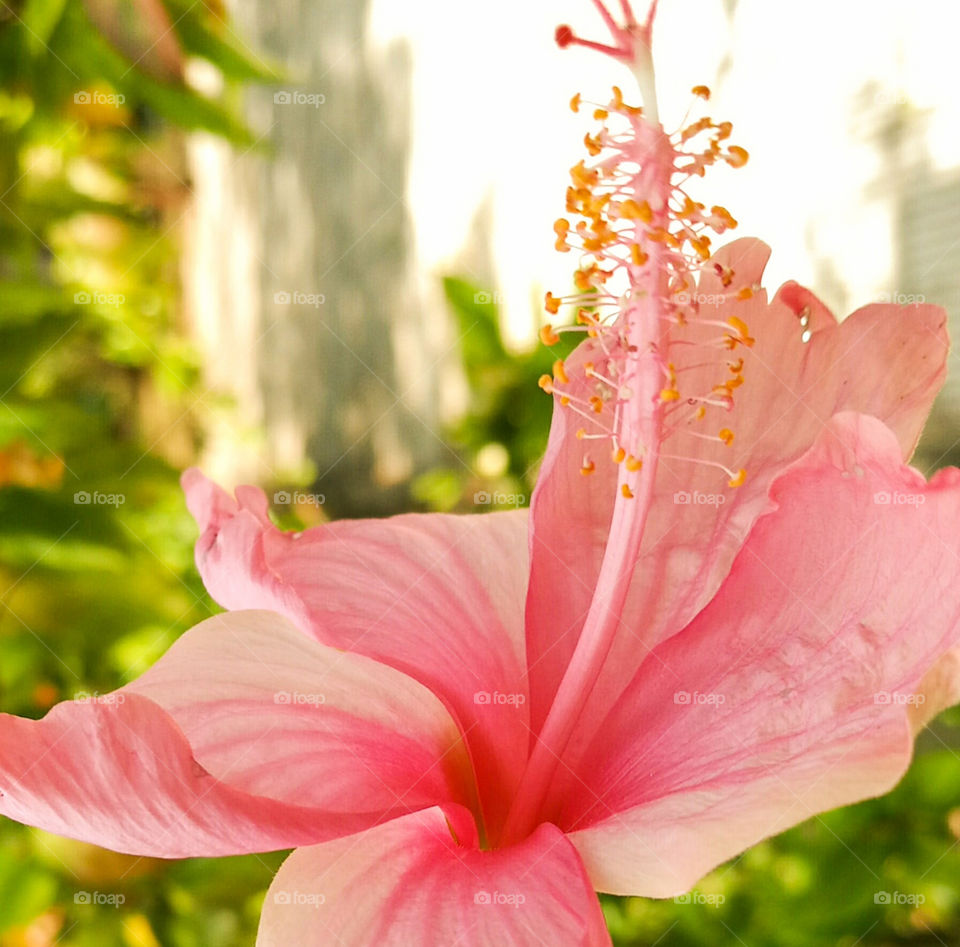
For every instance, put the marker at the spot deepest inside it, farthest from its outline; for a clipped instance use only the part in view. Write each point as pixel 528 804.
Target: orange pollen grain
pixel 626 492
pixel 548 336
pixel 738 480
pixel 736 156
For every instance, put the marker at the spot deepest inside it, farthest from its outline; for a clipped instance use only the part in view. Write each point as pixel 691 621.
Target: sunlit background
pixel 303 243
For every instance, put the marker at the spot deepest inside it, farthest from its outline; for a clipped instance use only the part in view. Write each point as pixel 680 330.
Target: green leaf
pixel 39 19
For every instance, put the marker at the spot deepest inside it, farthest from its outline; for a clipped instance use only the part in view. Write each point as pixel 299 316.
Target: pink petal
pixel 887 361
pixel 805 662
pixel 274 713
pixel 118 772
pixel 409 882
pixel 437 597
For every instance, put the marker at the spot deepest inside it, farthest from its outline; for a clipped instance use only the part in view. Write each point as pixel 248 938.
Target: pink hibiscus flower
pixel 467 725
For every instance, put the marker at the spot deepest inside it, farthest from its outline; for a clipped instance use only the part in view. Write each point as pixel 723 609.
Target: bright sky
pixel 491 121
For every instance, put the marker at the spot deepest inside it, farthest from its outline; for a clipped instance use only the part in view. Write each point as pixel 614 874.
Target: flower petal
pixel 409 882
pixel 437 597
pixel 272 712
pixel 789 694
pixel 887 361
pixel 115 770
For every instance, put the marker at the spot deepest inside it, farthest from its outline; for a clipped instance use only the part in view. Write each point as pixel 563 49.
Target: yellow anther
pixel 726 435
pixel 592 144
pixel 734 382
pixel 723 130
pixel 702 247
pixel 626 492
pixel 725 273
pixel 736 156
pixel 724 215
pixel 619 454
pixel 743 329
pixel 600 114
pixel 736 367
pixel 596 403
pixel 745 293
pixel 669 394
pixel 548 336
pixel 559 372
pixel 631 210
pixel 564 400
pixel 692 130
pixel 552 304
pixel 633 463
pixel 587 467
pixel 701 91
pixel 617 98
pixel 581 433
pixel 546 383
pixel 737 481
pixel 637 255
pixel 575 103
pixel 583 176
pixel 701 411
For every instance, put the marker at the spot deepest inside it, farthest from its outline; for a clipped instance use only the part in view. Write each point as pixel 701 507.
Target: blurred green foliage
pixel 502 436
pixel 97 387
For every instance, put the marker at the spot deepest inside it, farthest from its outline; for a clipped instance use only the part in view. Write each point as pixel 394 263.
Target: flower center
pixel 640 234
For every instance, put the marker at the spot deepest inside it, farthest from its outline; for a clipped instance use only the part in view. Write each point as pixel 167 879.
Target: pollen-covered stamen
pixel 644 243
pixel 637 224
pixel 736 477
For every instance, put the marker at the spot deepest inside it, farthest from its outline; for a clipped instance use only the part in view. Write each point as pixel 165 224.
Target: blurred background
pixel 304 244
